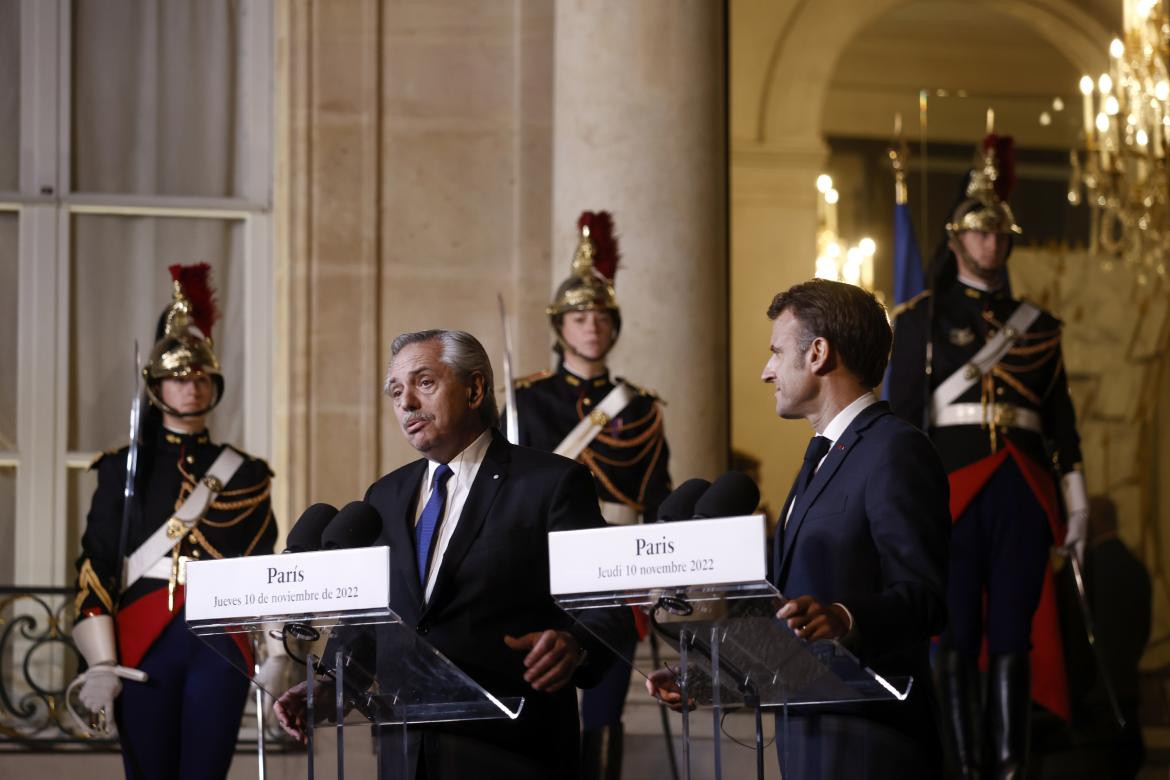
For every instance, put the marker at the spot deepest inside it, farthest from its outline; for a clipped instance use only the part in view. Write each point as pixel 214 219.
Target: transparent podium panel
pixel 367 669
pixel 730 650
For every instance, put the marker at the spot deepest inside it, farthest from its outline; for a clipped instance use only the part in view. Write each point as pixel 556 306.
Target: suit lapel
pixel 399 528
pixel 491 475
pixel 833 460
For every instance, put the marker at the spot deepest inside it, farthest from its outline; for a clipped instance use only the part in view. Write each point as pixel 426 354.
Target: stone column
pixel 638 130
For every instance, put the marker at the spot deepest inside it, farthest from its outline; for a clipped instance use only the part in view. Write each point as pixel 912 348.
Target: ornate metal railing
pixel 38 660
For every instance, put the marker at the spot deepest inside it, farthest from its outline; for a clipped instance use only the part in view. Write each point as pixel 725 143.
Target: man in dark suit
pixel 861 544
pixel 467 528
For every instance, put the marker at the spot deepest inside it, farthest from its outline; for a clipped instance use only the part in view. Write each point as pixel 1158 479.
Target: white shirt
pixel 837 427
pixel 464 467
pixel 833 431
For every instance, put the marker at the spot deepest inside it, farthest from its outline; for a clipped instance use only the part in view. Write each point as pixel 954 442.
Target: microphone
pixel 732 495
pixel 357 525
pixel 680 505
pixel 305 536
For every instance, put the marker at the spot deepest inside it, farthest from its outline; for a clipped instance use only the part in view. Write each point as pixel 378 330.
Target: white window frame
pixel 45 205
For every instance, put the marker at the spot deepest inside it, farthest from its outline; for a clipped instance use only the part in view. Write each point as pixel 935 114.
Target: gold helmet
pixel 590 283
pixel 184 347
pixel 985 206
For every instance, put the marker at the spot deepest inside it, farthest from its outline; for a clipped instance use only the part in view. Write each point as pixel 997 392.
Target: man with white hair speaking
pixel 467 526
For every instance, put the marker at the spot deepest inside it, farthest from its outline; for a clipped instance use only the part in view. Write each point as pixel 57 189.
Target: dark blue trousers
pixel 999 547
pixel 602 704
pixel 183 722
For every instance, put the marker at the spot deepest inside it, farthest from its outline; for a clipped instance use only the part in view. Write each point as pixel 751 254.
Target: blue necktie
pixel 424 532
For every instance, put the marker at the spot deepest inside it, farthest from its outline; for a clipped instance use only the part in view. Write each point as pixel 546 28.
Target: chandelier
pixel 854 264
pixel 1127 138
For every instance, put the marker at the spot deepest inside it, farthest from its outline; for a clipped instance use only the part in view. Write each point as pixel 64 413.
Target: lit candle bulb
pixel 1087 107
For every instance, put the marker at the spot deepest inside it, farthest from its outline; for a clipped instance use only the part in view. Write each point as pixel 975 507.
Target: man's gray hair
pixel 466 357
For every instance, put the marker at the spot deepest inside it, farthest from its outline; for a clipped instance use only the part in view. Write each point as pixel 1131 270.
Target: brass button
pixel 1010 332
pixel 195 553
pixel 999 391
pixel 190 458
pixel 971 371
pixel 191 538
pixel 587 402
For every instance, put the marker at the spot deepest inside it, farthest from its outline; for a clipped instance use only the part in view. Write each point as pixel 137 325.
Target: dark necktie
pixel 424 532
pixel 816 450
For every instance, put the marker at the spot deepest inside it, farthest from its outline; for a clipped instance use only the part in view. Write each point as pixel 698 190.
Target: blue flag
pixel 908 277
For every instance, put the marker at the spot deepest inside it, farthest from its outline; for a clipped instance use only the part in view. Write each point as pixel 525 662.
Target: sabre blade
pixel 1091 636
pixel 131 464
pixel 513 424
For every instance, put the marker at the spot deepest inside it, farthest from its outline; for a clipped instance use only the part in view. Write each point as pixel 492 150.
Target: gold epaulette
pixel 527 381
pixel 261 461
pixel 97 459
pixel 643 390
pixel 910 304
pixel 1043 311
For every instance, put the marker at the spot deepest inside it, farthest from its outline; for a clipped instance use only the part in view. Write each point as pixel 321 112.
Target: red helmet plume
pixel 196 283
pixel 600 225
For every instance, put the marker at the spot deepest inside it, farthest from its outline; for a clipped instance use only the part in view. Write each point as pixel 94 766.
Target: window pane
pixel 9 94
pixel 9 288
pixel 156 97
pixel 119 287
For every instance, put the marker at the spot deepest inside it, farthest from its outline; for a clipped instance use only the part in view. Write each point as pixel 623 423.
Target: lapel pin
pixel 840 446
pixel 495 476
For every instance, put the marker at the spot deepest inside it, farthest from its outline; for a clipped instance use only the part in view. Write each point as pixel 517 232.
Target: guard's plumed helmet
pixel 985 206
pixel 590 283
pixel 184 347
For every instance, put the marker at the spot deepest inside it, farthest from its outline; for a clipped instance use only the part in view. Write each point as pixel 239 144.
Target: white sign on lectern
pixel 658 555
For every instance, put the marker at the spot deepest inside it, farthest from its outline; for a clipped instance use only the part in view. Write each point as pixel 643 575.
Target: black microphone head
pixel 305 535
pixel 680 505
pixel 357 525
pixel 732 495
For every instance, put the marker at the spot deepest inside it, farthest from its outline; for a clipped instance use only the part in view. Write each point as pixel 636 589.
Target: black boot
pixel 959 696
pixel 1009 710
pixel 601 753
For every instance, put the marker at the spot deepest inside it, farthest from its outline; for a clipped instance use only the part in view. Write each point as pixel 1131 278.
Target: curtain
pixel 155 112
pixel 155 97
pixel 120 287
pixel 9 94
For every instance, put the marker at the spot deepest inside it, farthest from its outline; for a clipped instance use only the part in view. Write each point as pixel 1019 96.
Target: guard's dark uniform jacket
pixel 628 457
pixel 1030 376
pixel 239 522
pixel 996 468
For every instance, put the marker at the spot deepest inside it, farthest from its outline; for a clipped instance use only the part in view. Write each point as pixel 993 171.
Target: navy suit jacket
pixel 494 580
pixel 871 532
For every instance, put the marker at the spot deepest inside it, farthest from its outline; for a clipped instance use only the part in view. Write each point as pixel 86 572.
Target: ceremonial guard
pixel 610 425
pixel 983 373
pixel 179 710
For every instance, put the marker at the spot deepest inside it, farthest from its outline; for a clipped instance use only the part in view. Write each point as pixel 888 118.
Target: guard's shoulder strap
pixel 223 468
pixel 587 429
pixel 987 357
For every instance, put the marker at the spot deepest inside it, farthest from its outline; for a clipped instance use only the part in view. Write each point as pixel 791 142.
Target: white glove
pixel 272 674
pixel 272 670
pixel 100 688
pixel 1076 504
